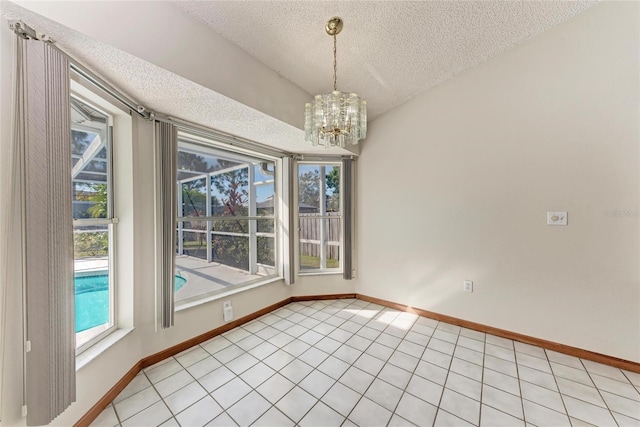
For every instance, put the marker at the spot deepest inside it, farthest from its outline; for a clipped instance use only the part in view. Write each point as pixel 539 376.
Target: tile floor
pixel 351 363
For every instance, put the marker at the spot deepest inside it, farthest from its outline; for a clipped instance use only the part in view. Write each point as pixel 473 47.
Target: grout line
pixel 339 319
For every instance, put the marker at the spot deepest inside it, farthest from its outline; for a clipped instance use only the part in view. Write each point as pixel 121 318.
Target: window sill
pixel 95 350
pixel 226 294
pixel 319 273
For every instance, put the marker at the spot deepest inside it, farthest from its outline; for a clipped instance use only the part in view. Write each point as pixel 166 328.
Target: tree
pixel 333 183
pixel 308 188
pixel 233 188
pixel 99 198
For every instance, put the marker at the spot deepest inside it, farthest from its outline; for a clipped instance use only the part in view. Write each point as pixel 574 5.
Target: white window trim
pixel 205 142
pixel 93 97
pixel 296 213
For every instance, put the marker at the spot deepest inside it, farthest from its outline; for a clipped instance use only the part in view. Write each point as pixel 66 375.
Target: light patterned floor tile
pixel 543 416
pixel 133 404
pixel 490 417
pixel 321 416
pixel 384 394
pixel 248 409
pixel 502 401
pixel 351 363
pixel 154 415
pixel 416 411
pixel 272 418
pixel 297 370
pixel 185 397
pixel 296 403
pixel 445 419
pixel 231 392
pixel 592 414
pixel 369 413
pixel 200 413
pixel 275 387
pixel 341 398
pixel 317 383
pixel 461 406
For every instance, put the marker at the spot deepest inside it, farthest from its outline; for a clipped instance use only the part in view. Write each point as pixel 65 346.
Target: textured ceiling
pixel 388 51
pixel 166 92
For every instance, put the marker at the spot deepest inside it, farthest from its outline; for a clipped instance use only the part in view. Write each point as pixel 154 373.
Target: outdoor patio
pixel 205 277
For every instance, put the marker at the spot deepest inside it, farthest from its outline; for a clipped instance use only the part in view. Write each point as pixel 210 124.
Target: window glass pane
pixel 332 192
pixel 89 148
pixel 266 251
pixel 313 181
pixel 319 242
pixel 320 221
pixel 228 249
pixel 232 251
pixel 194 197
pixel 91 200
pixel 193 237
pixel 309 189
pixel 230 190
pixel 265 188
pixel 309 255
pixel 91 279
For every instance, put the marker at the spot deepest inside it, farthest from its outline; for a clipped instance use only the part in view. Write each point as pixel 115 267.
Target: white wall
pixel 456 185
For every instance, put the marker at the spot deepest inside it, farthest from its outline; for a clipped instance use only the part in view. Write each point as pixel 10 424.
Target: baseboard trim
pixel 550 345
pixel 298 298
pixel 178 348
pixel 97 409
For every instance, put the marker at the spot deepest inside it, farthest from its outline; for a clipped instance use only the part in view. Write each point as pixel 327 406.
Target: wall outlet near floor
pixel 227 311
pixel 468 286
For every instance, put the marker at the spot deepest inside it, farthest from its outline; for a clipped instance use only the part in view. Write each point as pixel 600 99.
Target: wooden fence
pixel 310 235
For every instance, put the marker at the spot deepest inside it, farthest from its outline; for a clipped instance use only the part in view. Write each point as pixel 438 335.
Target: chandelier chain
pixel 335 63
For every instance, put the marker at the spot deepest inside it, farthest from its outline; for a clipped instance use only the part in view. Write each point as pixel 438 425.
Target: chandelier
pixel 338 118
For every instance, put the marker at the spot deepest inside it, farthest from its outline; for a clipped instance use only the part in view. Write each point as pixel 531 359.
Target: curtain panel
pixel 43 132
pixel 166 149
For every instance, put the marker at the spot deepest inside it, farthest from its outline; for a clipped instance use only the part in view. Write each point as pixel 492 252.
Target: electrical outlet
pixel 468 286
pixel 227 311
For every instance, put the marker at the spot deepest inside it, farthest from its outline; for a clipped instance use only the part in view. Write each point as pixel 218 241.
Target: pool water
pixel 92 300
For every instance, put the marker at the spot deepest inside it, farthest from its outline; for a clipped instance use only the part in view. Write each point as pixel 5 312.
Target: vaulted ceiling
pixel 388 52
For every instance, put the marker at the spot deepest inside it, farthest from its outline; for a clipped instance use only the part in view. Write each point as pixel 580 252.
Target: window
pixel 227 208
pixel 319 217
pixel 93 221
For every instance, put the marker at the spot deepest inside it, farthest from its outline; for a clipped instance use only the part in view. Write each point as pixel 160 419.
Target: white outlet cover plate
pixel 557 218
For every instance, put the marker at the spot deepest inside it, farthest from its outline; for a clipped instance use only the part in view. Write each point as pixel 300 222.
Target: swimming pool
pixel 92 300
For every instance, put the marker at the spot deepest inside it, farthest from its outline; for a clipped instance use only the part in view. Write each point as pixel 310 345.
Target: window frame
pixel 232 153
pixel 110 221
pixel 298 258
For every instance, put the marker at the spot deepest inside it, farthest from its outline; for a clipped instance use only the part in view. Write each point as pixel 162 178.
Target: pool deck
pixel 202 277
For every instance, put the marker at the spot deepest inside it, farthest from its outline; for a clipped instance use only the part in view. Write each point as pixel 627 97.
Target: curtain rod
pixel 26 32
pixel 222 137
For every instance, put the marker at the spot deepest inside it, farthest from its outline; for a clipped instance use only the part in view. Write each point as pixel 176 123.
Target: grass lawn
pixel 307 261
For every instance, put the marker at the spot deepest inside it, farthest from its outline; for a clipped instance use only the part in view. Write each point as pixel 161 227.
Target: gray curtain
pixel 43 129
pixel 288 219
pixel 347 232
pixel 166 140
